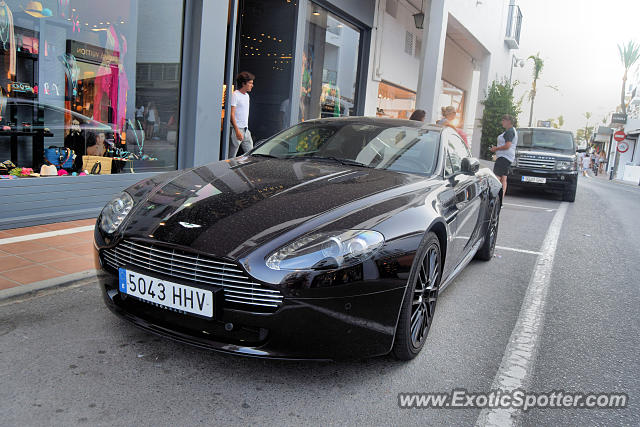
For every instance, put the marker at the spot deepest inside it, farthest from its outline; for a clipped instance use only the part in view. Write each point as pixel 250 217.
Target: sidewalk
pixel 59 251
pixel 605 177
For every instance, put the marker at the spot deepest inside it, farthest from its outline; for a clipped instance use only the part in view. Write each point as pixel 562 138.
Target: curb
pixel 32 288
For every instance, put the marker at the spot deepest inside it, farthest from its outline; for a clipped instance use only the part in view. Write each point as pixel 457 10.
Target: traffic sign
pixel 623 146
pixel 619 135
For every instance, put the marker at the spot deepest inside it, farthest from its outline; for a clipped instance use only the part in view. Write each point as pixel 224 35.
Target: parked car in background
pixel 545 159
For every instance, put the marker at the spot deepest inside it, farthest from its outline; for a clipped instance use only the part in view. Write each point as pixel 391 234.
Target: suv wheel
pixel 569 194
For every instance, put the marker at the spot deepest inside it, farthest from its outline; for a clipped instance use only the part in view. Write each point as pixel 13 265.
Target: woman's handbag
pixel 60 157
pixel 97 165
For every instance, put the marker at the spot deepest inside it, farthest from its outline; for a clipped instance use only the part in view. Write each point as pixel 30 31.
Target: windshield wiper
pixel 337 159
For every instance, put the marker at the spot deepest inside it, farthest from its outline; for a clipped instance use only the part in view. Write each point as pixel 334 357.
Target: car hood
pixel 226 208
pixel 542 154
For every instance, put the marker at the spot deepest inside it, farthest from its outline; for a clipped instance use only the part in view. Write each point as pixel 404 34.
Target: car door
pixel 466 206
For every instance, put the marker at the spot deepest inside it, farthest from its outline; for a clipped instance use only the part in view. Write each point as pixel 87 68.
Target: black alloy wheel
pixel 485 252
pixel 418 307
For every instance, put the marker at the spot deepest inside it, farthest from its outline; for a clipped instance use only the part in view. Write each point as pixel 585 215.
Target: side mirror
pixel 469 165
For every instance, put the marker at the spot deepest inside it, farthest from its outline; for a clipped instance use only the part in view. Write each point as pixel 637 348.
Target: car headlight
pixel 565 165
pixel 115 212
pixel 326 250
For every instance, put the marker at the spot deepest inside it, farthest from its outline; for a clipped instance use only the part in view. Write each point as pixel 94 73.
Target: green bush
pixel 499 101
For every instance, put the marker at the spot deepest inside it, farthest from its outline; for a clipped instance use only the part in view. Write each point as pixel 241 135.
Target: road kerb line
pixel 519 357
pixel 36 236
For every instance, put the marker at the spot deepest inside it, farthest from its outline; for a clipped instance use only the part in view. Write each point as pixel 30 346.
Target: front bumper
pixel 555 180
pixel 337 327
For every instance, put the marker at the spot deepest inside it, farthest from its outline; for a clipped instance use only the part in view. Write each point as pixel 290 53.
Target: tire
pixel 485 252
pixel 569 195
pixel 418 306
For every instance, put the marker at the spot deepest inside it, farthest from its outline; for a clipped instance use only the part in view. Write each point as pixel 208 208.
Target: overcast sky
pixel 577 40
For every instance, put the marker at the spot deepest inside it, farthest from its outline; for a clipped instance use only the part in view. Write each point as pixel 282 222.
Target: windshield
pixel 544 139
pixel 399 148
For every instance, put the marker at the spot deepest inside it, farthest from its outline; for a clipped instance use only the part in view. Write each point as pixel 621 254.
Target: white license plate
pixel 534 179
pixel 165 293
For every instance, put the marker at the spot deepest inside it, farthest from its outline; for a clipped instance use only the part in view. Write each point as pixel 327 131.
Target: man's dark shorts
pixel 501 167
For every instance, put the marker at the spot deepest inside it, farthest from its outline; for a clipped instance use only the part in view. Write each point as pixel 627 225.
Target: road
pixel 66 360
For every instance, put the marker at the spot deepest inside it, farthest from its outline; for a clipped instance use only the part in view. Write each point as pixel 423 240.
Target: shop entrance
pixel 329 63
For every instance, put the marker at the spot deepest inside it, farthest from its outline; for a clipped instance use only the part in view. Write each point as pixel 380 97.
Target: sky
pixel 578 41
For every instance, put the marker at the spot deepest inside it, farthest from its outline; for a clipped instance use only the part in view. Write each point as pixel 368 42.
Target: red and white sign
pixel 623 146
pixel 619 136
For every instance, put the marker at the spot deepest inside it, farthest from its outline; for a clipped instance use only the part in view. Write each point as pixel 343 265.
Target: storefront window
pixel 101 78
pixel 395 102
pixel 330 66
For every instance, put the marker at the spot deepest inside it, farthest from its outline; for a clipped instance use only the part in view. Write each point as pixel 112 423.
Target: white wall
pixel 487 23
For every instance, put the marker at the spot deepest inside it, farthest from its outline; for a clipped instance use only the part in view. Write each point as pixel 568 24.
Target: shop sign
pixel 87 52
pixel 619 118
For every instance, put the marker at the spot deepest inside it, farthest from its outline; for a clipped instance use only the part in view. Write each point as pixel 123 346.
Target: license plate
pixel 534 179
pixel 165 293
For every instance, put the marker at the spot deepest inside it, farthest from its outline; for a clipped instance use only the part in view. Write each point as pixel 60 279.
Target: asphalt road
pixel 66 360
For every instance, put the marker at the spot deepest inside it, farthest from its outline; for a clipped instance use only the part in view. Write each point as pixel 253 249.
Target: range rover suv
pixel 546 159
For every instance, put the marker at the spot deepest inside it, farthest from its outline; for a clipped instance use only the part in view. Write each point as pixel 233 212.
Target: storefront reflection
pixel 99 78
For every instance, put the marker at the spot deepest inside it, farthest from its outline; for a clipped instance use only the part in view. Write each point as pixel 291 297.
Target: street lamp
pixel 515 61
pixel 418 18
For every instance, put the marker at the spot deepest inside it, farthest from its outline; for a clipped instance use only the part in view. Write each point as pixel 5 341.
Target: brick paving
pixel 42 258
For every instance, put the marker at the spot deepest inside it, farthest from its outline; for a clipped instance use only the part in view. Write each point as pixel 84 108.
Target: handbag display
pixel 60 157
pixel 97 165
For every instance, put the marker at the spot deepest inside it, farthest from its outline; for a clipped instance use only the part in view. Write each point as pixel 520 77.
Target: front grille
pixel 536 163
pixel 239 290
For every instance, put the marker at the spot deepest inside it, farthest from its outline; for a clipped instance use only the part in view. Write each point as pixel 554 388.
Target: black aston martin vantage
pixel 330 240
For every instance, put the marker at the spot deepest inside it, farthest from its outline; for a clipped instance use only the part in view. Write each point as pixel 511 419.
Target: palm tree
pixel 629 55
pixel 538 64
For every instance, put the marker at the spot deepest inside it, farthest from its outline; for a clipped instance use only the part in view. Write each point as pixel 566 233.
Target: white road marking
pixel 36 236
pixel 519 357
pixel 529 207
pixel 524 251
pixel 505 248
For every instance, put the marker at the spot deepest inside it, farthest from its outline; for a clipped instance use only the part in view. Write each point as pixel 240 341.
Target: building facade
pixel 138 87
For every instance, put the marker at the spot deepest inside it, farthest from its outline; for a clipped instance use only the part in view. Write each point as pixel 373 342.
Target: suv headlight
pixel 115 212
pixel 565 165
pixel 326 250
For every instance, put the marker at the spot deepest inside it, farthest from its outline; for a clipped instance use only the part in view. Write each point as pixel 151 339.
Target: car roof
pixel 545 129
pixel 384 121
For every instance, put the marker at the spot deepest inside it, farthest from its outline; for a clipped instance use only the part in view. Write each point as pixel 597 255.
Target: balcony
pixel 512 38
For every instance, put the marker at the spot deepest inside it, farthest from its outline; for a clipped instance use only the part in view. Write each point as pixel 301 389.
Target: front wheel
pixel 419 304
pixel 569 194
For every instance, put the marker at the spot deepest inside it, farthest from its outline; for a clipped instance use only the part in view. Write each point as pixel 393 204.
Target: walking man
pixel 240 134
pixel 505 151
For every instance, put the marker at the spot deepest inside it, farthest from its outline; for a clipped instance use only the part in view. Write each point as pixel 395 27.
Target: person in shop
pixel 240 134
